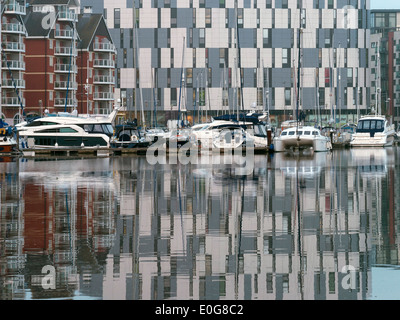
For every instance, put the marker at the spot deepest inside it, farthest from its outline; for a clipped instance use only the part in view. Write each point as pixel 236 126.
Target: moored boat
pixel 373 131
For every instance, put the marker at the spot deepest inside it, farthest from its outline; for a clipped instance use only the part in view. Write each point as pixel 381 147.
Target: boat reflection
pixel 120 228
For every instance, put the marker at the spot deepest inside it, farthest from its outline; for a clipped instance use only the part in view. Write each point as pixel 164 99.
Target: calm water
pixel 322 226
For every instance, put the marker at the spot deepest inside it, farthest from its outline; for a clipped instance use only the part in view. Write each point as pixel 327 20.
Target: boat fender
pixel 134 138
pixel 5 139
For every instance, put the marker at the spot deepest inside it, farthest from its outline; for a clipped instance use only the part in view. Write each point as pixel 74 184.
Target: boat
pixel 301 138
pixel 128 136
pixel 8 143
pixel 67 130
pixel 295 135
pixel 255 126
pixel 373 131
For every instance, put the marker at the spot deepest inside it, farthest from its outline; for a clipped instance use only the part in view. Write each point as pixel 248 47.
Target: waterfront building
pixel 13 35
pixel 96 65
pixel 385 62
pixel 51 59
pixel 187 55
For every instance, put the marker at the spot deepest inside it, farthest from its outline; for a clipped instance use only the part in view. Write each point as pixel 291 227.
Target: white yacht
pixel 301 138
pixel 223 133
pixel 373 131
pixel 64 130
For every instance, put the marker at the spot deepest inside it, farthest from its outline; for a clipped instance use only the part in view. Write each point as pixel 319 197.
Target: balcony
pixel 14 8
pixel 98 79
pixel 65 68
pixel 60 102
pixel 13 65
pixel 65 51
pixel 9 83
pixel 104 63
pixel 67 16
pixel 12 28
pixel 12 102
pixel 14 46
pixel 103 96
pixel 65 85
pixel 104 47
pixel 64 34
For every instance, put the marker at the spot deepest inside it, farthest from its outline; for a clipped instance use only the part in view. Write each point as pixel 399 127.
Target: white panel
pixel 165 18
pixel 149 18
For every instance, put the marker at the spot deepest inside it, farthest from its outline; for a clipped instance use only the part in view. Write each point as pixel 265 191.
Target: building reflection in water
pixel 119 228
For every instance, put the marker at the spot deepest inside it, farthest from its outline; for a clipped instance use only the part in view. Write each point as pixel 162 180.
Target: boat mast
pixel 182 80
pixel 135 27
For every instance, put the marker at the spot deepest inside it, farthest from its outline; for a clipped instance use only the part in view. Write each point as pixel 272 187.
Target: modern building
pixel 220 56
pixel 13 35
pixel 385 62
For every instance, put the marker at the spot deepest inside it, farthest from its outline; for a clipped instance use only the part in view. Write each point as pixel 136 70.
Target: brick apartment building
pixel 52 57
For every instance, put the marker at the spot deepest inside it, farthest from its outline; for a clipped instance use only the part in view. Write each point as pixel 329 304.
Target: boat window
pixel 307 133
pixel 315 133
pixel 379 125
pixel 373 123
pixel 67 130
pixel 366 124
pixel 88 127
pixel 291 133
pixel 40 123
pixel 284 133
pixel 204 128
pixel 108 128
pixel 299 133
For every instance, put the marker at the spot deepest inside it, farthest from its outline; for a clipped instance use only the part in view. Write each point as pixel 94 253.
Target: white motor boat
pixel 373 131
pixel 301 138
pixel 64 130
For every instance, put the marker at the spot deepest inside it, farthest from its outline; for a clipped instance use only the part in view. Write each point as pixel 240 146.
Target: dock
pixel 106 152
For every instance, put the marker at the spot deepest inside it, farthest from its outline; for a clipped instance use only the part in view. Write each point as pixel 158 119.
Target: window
pixel 288 97
pixel 202 40
pixel 267 43
pixel 208 18
pixel 117 18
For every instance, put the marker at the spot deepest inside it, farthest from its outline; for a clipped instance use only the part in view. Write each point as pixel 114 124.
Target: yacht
pixel 302 138
pixel 65 130
pixel 373 131
pixel 221 133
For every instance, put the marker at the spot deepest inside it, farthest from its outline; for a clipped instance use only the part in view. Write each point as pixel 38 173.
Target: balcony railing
pixel 64 85
pixel 103 79
pixel 12 28
pixel 108 47
pixel 14 46
pixel 60 102
pixel 14 8
pixel 65 68
pixel 12 101
pixel 103 96
pixel 103 63
pixel 9 83
pixel 13 65
pixel 65 51
pixel 65 34
pixel 67 16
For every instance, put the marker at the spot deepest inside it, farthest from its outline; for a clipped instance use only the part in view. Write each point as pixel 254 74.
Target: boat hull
pixel 365 140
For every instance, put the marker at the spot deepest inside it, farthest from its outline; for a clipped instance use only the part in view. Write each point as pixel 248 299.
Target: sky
pixel 385 4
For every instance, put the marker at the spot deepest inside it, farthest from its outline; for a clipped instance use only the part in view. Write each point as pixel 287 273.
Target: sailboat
pixel 298 136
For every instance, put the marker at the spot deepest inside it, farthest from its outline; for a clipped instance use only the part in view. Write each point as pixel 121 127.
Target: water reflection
pixel 119 228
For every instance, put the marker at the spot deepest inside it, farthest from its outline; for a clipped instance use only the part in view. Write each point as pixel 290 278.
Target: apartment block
pixel 222 56
pixel 96 65
pixel 13 34
pixel 385 60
